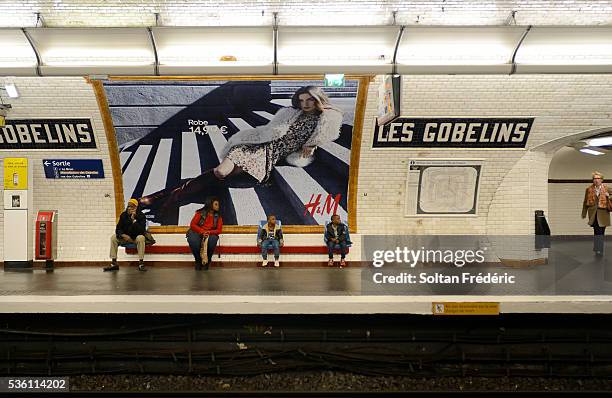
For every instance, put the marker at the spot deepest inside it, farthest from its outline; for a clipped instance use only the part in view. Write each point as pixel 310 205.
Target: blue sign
pixel 73 168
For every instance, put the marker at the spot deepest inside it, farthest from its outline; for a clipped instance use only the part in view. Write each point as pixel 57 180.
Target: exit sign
pixel 334 80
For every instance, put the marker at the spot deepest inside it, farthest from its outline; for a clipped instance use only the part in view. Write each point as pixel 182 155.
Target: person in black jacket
pixel 270 237
pixel 335 234
pixel 131 228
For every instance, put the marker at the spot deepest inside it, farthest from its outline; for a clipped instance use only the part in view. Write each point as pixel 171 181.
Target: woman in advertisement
pixel 293 134
pixel 597 205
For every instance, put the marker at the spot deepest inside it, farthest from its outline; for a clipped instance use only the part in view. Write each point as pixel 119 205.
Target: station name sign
pixel 406 132
pixel 33 134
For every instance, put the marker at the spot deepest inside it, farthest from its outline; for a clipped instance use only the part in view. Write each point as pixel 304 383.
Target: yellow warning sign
pixel 15 173
pixel 467 308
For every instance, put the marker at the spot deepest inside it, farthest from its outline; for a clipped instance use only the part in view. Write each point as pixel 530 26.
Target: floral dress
pixel 259 159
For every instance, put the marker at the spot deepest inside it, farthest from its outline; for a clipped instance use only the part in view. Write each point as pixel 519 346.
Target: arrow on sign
pixel 46 163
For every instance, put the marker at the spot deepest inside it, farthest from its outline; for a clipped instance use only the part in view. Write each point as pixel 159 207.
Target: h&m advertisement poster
pixel 262 147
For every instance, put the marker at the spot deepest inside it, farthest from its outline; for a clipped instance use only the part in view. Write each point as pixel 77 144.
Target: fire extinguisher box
pixel 46 236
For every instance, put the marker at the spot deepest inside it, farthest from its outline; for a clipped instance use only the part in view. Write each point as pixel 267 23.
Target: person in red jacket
pixel 205 226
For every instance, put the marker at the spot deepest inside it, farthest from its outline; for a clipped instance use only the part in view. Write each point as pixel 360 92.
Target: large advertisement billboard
pixel 263 147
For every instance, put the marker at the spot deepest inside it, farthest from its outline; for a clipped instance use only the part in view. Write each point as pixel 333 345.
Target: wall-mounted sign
pixel 73 168
pixel 406 132
pixel 389 99
pixel 15 173
pixel 443 187
pixel 334 80
pixel 466 308
pixel 33 134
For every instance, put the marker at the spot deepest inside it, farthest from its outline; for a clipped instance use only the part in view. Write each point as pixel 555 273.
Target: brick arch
pixel 519 193
pixel 558 143
pixel 524 187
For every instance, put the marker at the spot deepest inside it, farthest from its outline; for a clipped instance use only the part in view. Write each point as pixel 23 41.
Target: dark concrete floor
pixel 128 280
pixel 572 269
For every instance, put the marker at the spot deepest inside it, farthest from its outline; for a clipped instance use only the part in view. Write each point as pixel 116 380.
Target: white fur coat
pixel 327 130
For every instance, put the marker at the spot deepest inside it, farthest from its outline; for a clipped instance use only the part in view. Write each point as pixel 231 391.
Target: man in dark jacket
pixel 131 228
pixel 335 234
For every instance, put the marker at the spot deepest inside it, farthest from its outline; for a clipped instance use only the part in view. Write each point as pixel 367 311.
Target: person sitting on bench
pixel 203 234
pixel 335 234
pixel 270 237
pixel 131 228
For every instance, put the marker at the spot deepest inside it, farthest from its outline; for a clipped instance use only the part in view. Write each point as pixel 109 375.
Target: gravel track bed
pixel 330 381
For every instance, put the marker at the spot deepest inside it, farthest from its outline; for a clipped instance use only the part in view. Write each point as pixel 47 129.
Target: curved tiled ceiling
pixel 139 13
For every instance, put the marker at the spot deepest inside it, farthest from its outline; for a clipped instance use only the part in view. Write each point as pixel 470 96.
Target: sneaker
pixel 141 267
pixel 330 263
pixel 198 266
pixel 342 263
pixel 276 263
pixel 264 263
pixel 112 267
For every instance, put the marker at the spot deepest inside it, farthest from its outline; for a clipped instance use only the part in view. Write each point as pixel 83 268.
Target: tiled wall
pixel 513 185
pixel 514 182
pixel 86 207
pixel 296 12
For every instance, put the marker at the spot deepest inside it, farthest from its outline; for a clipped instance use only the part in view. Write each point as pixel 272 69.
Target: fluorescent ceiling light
pixel 194 56
pixel 98 56
pixel 68 47
pixel 15 51
pixel 601 141
pixel 204 62
pixel 334 62
pixel 566 46
pixel 16 56
pixel 458 46
pixel 574 54
pixel 455 54
pixel 254 54
pixel 99 62
pixel 344 53
pixel 208 46
pixel 336 45
pixel 11 90
pixel 591 151
pixel 17 64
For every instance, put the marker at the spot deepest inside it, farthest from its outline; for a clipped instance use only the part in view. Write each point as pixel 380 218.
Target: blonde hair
pixel 597 173
pixel 317 93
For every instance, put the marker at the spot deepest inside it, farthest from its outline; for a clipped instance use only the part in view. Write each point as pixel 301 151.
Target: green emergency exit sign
pixel 336 80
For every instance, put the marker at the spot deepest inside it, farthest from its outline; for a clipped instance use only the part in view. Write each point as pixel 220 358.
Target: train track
pixel 352 394
pixel 247 346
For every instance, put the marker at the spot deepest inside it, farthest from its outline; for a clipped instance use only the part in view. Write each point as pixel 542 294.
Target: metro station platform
pixel 584 287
